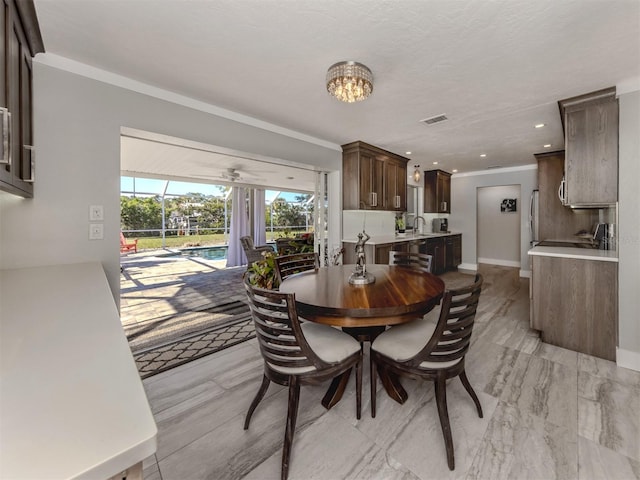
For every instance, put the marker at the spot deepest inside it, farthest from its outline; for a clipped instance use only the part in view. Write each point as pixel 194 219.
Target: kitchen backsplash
pixel 379 222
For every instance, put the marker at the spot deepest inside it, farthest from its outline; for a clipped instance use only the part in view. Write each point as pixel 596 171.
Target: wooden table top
pixel 398 295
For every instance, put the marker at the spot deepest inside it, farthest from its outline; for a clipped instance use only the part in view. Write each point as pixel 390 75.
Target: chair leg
pixel 359 388
pixel 292 414
pixel 441 402
pixel 259 396
pixel 468 388
pixel 374 380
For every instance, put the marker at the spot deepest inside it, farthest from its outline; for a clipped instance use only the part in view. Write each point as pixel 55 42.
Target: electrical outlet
pixel 96 213
pixel 96 231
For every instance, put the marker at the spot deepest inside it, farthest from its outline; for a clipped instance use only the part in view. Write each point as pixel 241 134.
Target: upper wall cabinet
pixel 591 146
pixel 437 191
pixel 373 179
pixel 19 42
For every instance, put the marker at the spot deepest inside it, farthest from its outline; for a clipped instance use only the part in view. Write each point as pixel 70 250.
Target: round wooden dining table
pixel 398 295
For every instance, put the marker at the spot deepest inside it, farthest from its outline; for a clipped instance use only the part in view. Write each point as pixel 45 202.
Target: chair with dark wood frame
pixel 287 265
pixel 419 261
pixel 297 353
pixel 402 350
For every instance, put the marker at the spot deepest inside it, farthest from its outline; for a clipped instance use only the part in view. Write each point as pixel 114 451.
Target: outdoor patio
pixel 153 286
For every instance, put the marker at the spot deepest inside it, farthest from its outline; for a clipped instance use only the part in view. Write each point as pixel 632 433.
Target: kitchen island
pixel 445 248
pixel 71 401
pixel 574 298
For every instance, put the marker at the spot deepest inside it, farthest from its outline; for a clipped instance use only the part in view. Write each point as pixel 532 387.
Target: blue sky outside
pixel 151 186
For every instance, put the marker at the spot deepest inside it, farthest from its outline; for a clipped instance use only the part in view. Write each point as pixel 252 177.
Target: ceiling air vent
pixel 436 119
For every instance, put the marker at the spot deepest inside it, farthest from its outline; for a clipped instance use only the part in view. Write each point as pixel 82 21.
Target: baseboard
pixel 468 267
pixel 628 359
pixel 525 273
pixel 497 261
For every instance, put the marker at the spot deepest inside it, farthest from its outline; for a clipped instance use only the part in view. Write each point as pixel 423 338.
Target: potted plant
pixel 400 225
pixel 262 273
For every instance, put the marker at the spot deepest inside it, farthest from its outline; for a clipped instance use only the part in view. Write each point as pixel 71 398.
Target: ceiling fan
pixel 231 174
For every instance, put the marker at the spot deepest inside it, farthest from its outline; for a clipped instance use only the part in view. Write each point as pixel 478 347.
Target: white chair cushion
pixel 330 344
pixel 403 342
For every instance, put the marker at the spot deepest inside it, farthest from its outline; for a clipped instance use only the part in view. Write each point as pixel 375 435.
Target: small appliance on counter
pixel 440 225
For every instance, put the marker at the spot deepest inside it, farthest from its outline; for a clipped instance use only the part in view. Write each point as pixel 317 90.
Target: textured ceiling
pixel 495 68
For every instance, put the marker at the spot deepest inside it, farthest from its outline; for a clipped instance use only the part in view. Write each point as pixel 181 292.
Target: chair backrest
pixel 285 246
pixel 247 243
pixel 287 265
pixel 450 340
pixel 277 325
pixel 123 240
pixel 418 261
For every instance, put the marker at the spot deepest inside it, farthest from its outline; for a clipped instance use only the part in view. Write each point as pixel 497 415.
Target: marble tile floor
pixel 549 413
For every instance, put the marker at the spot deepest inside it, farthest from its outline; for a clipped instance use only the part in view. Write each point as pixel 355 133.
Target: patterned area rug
pixel 164 343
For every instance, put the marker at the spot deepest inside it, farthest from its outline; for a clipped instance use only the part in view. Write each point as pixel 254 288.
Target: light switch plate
pixel 96 213
pixel 96 231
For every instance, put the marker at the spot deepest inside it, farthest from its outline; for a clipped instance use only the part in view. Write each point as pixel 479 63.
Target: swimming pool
pixel 218 252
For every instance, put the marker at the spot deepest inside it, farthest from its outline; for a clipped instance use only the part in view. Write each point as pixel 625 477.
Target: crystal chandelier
pixel 349 81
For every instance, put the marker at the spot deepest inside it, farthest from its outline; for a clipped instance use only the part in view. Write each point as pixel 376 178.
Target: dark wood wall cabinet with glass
pixel 20 41
pixel 373 179
pixel 437 191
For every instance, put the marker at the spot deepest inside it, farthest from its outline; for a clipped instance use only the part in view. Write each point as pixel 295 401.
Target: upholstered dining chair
pixel 419 261
pixel 297 353
pixel 252 252
pixel 433 351
pixel 287 265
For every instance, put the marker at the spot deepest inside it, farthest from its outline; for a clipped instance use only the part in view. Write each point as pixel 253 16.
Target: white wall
pixel 498 232
pixel 77 123
pixel 629 232
pixel 464 207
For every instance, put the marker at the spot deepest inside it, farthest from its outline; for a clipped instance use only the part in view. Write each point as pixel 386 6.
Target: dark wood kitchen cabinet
pixel 437 191
pixel 575 304
pixel 372 178
pixel 395 197
pixel 20 41
pixel 591 145
pixel 446 252
pixel 436 248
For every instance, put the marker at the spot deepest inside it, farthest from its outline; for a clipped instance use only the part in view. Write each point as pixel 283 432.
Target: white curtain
pixel 239 227
pixel 259 228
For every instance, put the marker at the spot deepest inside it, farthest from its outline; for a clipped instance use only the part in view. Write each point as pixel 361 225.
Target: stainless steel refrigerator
pixel 533 218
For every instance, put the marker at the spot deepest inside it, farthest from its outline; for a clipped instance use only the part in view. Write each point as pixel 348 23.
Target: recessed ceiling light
pixel 482 155
pixel 455 170
pixel 547 145
pixel 540 125
pixel 435 163
pixel 407 153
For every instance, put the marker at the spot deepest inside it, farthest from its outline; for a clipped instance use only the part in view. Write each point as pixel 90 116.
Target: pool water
pixel 209 253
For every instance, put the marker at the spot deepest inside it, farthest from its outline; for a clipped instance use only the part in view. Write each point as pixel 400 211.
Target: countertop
pixel 407 237
pixel 574 252
pixel 72 404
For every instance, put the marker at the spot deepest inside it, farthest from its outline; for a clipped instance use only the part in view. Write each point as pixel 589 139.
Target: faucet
pixel 415 223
